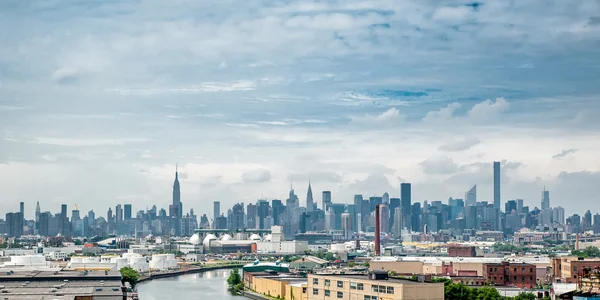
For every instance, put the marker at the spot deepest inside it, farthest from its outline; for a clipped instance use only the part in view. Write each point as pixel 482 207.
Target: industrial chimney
pixel 377 232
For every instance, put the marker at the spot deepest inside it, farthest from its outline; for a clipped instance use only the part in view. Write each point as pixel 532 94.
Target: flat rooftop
pixel 382 281
pixel 19 275
pixel 57 289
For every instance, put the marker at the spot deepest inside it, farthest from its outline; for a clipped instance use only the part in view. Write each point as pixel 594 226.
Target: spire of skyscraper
pixel 177 194
pixel 309 199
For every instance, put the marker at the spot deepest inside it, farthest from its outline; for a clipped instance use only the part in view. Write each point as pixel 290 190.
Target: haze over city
pixel 100 100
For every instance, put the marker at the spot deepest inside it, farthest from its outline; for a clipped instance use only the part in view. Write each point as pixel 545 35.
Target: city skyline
pixel 98 102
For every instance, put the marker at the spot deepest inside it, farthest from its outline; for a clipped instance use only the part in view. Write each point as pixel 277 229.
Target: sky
pixel 99 100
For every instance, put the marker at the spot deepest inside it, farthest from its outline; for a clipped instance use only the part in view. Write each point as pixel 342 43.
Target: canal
pixel 206 285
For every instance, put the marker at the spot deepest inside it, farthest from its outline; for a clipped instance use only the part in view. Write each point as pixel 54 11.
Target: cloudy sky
pixel 100 99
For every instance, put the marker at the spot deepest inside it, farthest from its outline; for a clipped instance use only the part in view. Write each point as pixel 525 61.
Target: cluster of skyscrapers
pixel 342 220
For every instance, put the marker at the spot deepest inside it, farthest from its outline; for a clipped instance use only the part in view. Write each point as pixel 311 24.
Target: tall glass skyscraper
pixel 497 184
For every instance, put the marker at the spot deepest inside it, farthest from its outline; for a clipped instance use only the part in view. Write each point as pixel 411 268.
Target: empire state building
pixel 176 209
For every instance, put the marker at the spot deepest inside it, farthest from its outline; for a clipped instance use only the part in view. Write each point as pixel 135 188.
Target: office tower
pixel 304 220
pixel 406 204
pixel 44 223
pixel 251 215
pixel 384 218
pixel 457 207
pixel 471 217
pixel 326 199
pixel 127 211
pixel 22 209
pixel 373 202
pixel 587 221
pixel 330 219
pixel 471 196
pixel 347 226
pixel 558 215
pixel 358 200
pixel 177 210
pixel 37 216
pixel 519 206
pixel 14 224
pixel 237 217
pixel 596 223
pixel 63 210
pixel 75 213
pixel 394 202
pixel 216 210
pixel 545 199
pixel 109 216
pixel 497 184
pixel 263 213
pixel 118 213
pixel 91 216
pixel 545 217
pixel 397 227
pixel 338 209
pixel 415 216
pixel 221 222
pixel 509 206
pixel 309 199
pixel 277 209
pixel 385 198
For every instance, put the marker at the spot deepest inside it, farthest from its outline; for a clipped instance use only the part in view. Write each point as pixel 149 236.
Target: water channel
pixel 207 285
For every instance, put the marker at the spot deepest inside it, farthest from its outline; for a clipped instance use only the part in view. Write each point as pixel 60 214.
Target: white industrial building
pixel 163 262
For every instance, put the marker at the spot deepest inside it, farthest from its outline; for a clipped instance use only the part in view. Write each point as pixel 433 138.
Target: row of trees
pixel 459 291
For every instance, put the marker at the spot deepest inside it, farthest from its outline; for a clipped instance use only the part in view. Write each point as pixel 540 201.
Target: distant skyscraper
pixel 177 197
pixel 127 209
pixel 22 209
pixel 216 210
pixel 558 215
pixel 118 213
pixel 347 226
pixel 510 205
pixel 497 184
pixel 326 199
pixel 397 227
pixel 309 199
pixel 519 206
pixel 385 198
pixel 471 196
pixel 91 216
pixel 37 215
pixel 545 199
pixel 406 205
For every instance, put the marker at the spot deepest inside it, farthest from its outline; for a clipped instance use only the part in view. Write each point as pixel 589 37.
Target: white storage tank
pixel 120 262
pixel 139 263
pixel 90 260
pixel 163 262
pixel 28 260
pixel 77 259
pixel 338 248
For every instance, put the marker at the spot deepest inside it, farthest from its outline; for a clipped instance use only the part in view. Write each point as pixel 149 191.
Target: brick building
pixel 568 269
pixel 520 275
pixel 461 251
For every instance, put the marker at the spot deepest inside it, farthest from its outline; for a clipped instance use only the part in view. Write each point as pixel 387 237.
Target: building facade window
pixel 360 286
pixel 327 282
pixel 367 297
pixel 315 291
pixel 375 289
pixel 353 285
pixel 327 293
pixel 340 284
pixel 316 281
pixel 340 295
pixel 390 289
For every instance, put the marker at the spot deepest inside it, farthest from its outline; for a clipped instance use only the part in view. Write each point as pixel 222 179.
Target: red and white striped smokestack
pixel 377 232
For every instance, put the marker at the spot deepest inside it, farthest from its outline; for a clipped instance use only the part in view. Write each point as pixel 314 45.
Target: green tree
pixel 130 275
pixel 329 256
pixel 234 278
pixel 525 296
pixel 456 291
pixel 587 252
pixel 78 242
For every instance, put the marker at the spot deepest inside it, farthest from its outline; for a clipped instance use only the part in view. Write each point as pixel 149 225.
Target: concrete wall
pixel 400 267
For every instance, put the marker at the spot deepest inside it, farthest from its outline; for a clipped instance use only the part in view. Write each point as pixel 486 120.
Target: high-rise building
pixel 347 226
pixel 37 215
pixel 14 224
pixel 497 175
pixel 91 216
pixel 262 213
pixel 44 223
pixel 397 227
pixel 177 207
pixel 385 198
pixel 519 206
pixel 118 214
pixel 277 210
pixel 127 211
pixel 22 209
pixel 471 196
pixel 309 199
pixel 384 218
pixel 216 210
pixel 406 205
pixel 415 216
pixel 510 205
pixel 326 199
pixel 558 215
pixel 545 199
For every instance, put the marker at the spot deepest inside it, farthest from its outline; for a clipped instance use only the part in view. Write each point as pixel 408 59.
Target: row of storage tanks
pixel 133 260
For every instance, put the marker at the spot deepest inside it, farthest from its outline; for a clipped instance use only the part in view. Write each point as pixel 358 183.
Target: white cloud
pixel 488 110
pixel 443 114
pixel 388 116
pixel 65 75
pixel 258 175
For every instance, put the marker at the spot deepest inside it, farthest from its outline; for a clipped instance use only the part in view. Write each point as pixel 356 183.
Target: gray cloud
pixel 564 153
pixel 328 177
pixel 258 175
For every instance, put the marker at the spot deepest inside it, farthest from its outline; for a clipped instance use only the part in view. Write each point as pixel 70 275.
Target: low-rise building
pixel 520 275
pixel 308 263
pixel 569 269
pixel 375 286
